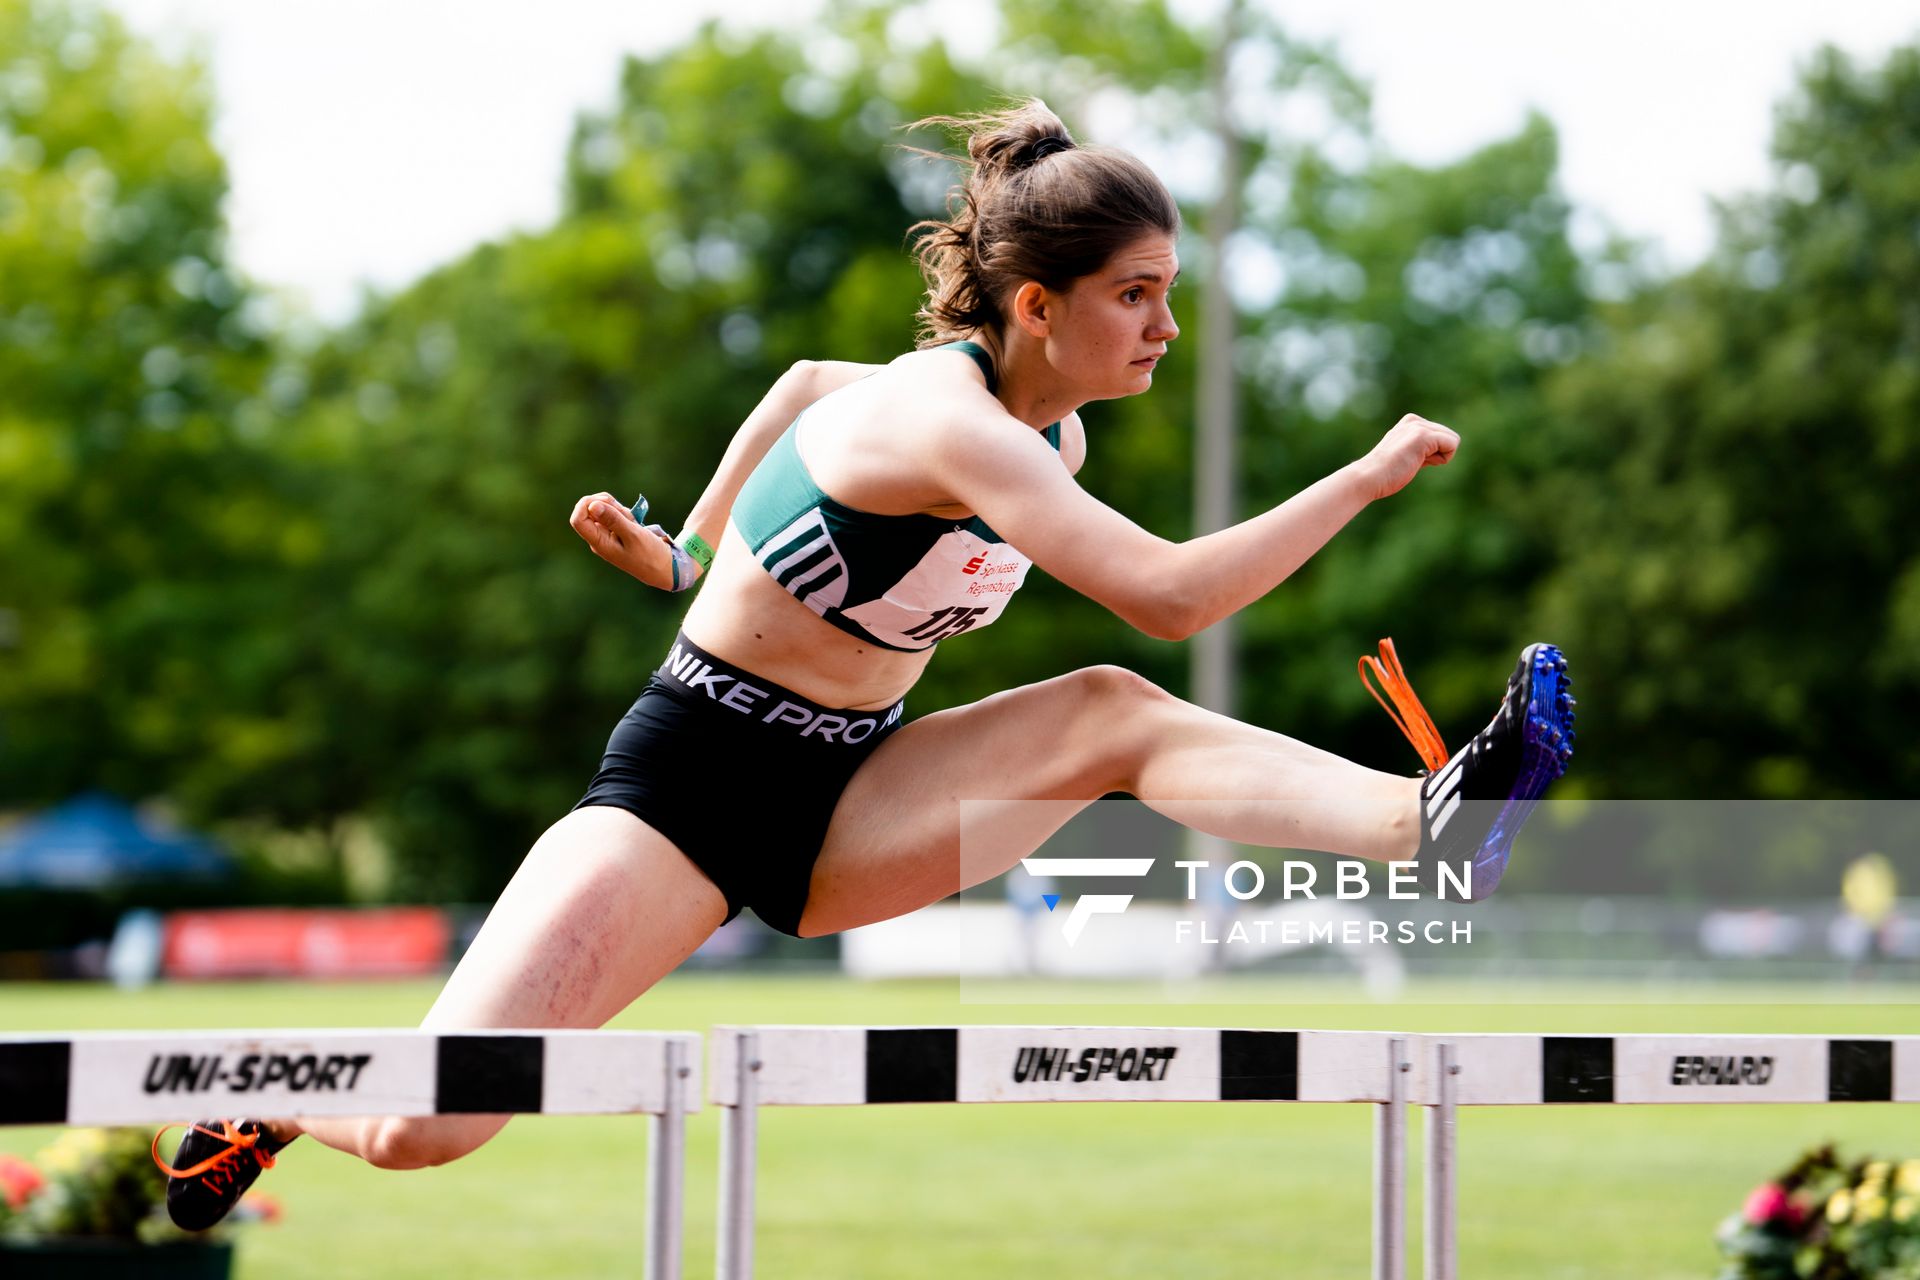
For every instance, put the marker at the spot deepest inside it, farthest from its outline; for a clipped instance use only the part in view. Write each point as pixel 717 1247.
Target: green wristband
pixel 696 546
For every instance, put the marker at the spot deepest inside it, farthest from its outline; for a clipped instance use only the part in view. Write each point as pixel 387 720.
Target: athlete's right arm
pixel 1169 590
pixel 616 537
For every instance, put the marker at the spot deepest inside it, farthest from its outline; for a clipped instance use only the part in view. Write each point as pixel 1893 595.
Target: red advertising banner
pixel 261 943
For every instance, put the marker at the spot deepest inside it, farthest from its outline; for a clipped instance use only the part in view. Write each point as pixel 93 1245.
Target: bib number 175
pixel 945 622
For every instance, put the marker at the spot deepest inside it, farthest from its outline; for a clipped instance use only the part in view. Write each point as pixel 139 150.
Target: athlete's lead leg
pixel 895 845
pixel 601 909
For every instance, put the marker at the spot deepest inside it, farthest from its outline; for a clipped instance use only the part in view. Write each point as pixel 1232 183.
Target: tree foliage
pixel 132 513
pixel 1730 503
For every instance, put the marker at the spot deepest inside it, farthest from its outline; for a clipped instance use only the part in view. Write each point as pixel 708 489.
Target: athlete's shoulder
pixel 1073 443
pixel 948 366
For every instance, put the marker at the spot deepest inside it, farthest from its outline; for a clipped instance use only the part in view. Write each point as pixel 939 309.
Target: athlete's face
pixel 1113 326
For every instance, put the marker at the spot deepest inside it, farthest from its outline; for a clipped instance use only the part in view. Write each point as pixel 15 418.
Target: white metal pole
pixel 1390 1170
pixel 1442 1204
pixel 666 1170
pixel 739 1152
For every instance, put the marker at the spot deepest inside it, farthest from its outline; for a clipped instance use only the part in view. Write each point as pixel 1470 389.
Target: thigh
pixel 1013 768
pixel 602 907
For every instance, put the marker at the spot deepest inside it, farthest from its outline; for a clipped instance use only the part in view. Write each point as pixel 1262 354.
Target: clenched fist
pixel 645 551
pixel 1413 443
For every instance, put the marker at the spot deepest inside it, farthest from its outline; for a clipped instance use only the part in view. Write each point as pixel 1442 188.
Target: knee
pixel 1107 685
pixel 413 1142
pixel 1119 724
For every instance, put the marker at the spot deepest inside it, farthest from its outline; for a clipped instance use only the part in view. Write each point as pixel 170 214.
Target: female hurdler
pixel 766 764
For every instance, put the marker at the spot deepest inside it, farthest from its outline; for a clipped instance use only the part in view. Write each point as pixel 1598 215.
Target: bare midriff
pixel 744 616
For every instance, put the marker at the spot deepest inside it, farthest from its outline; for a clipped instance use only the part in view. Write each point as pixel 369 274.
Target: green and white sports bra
pixel 902 582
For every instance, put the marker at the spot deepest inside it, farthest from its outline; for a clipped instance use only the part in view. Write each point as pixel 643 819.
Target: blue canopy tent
pixel 94 841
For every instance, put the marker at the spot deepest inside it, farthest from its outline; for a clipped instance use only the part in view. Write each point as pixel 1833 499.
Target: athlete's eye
pixel 1133 295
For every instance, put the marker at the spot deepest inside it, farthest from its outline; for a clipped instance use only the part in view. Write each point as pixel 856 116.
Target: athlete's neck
pixel 1030 388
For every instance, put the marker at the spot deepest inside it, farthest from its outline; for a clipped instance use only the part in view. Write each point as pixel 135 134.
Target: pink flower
pixel 260 1207
pixel 1769 1204
pixel 18 1180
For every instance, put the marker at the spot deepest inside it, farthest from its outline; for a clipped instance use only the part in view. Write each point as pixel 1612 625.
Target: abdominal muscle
pixel 745 617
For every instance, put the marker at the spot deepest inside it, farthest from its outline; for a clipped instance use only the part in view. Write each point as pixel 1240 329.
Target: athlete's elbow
pixel 800 375
pixel 1162 631
pixel 1163 617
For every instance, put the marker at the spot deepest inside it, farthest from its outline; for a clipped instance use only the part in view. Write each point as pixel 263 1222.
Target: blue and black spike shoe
pixel 1473 805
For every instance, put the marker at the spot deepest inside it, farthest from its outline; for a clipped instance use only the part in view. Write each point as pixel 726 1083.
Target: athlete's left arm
pixel 616 537
pixel 798 387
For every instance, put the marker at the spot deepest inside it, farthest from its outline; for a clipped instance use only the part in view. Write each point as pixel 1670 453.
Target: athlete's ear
pixel 1032 309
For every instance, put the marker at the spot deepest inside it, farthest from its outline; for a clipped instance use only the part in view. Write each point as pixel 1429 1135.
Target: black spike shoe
pixel 216 1162
pixel 1511 762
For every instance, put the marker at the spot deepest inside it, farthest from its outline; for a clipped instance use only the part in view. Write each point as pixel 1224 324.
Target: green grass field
pixel 1106 1190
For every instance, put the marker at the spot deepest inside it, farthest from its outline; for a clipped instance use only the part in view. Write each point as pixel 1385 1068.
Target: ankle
pixel 1401 837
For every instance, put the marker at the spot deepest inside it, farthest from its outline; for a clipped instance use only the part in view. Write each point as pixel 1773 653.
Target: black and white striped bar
pixel 1510 1070
pixel 1527 1070
pixel 779 1066
pixel 156 1077
pixel 856 1066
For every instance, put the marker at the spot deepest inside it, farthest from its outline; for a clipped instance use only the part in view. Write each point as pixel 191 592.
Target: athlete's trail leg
pixel 895 842
pixel 600 910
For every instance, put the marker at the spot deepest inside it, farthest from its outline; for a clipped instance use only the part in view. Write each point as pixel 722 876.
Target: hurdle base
pixel 79 1259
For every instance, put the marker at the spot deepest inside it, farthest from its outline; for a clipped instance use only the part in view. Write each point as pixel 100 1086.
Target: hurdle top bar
pixel 156 1077
pixel 852 1066
pixel 1521 1070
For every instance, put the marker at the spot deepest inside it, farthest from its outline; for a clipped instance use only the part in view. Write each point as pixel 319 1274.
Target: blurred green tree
pixel 1452 292
pixel 1730 510
pixel 136 517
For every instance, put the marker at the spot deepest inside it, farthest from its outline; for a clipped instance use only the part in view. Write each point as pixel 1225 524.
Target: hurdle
pixel 1579 1070
pixel 787 1066
pixel 111 1078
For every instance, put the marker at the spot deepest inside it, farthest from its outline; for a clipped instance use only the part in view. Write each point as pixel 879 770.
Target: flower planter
pixel 113 1260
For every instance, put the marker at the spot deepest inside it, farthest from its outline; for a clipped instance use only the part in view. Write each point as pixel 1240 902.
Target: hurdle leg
pixel 1442 1262
pixel 666 1170
pixel 1390 1170
pixel 739 1152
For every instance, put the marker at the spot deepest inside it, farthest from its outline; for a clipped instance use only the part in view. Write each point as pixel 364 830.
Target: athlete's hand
pixel 1413 443
pixel 645 551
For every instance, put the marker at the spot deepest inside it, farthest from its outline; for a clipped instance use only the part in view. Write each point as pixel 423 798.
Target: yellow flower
pixel 73 1150
pixel 1877 1171
pixel 1869 1206
pixel 1839 1207
pixel 1904 1208
pixel 1909 1176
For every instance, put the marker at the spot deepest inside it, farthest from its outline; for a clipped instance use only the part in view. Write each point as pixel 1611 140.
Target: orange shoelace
pixel 221 1167
pixel 1405 707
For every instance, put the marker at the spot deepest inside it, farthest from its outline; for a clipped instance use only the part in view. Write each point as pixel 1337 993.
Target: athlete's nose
pixel 1164 328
